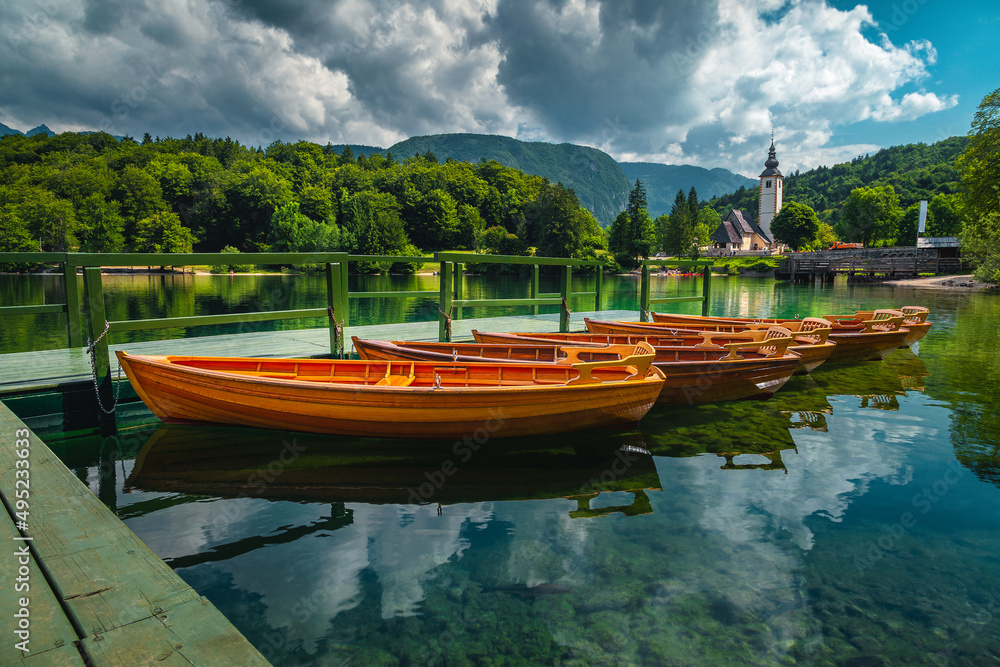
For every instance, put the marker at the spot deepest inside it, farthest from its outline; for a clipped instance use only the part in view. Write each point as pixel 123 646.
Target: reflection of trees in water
pixel 975 435
pixel 737 427
pixel 967 378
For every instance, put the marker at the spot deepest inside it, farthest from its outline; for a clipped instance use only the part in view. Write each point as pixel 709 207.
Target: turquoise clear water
pixel 852 519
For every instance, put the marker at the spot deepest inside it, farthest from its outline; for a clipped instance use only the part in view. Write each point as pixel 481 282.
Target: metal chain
pixel 91 346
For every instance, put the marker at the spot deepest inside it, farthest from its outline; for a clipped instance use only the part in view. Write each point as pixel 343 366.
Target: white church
pixel 738 233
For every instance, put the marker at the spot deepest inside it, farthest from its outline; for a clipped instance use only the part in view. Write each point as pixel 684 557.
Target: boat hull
pixel 811 356
pixel 183 394
pixel 691 375
pixel 871 346
pixel 853 344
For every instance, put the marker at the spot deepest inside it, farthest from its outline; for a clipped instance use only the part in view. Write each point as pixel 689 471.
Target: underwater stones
pixel 605 629
pixel 611 599
pixel 865 643
pixel 374 657
pixel 734 606
pixel 866 661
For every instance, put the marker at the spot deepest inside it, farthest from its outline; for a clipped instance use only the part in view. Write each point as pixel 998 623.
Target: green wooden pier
pixel 98 595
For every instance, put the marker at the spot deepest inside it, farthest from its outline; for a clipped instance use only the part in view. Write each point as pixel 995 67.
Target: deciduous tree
pixel 796 224
pixel 981 177
pixel 870 215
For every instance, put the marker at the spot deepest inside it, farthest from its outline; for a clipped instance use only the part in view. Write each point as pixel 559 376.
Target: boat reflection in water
pixel 226 462
pixel 880 385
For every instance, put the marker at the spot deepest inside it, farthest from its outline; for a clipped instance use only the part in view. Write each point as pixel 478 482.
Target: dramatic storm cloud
pixel 684 81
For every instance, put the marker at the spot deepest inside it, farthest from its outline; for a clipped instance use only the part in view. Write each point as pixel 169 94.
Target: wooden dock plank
pixel 49 369
pixel 112 586
pixel 52 639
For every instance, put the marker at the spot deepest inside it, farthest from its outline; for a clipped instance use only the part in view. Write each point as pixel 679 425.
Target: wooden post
pixel 598 284
pixel 565 281
pixel 457 277
pixel 644 294
pixel 534 287
pixel 102 361
pixel 337 302
pixel 73 331
pixel 706 289
pixel 444 303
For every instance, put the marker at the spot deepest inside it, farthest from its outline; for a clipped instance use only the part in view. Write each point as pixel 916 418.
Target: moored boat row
pixel 693 374
pixel 507 384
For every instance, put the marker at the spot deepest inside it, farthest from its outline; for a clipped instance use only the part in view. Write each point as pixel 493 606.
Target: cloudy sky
pixel 676 81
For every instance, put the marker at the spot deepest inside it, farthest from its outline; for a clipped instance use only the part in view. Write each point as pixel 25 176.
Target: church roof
pixel 771 164
pixel 725 233
pixel 735 226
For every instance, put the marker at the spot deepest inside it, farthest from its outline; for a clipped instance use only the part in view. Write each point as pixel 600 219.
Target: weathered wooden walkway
pixel 96 594
pixel 49 369
pixel 807 266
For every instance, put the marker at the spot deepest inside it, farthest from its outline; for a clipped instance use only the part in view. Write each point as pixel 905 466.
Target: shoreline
pixel 953 283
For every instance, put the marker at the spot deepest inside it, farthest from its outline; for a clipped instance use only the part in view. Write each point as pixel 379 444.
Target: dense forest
pixel 93 193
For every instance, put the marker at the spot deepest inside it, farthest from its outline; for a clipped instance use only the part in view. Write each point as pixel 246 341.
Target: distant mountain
pixel 359 149
pixel 662 181
pixel 41 129
pixel 598 180
pixel 4 130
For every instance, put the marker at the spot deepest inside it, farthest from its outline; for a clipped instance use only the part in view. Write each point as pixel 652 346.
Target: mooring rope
pixel 447 319
pixel 566 308
pixel 91 350
pixel 338 331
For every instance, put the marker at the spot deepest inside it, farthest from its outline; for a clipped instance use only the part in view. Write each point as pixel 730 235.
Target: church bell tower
pixel 770 192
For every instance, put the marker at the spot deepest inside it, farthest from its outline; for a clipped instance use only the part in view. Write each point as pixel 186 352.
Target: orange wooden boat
pixel 914 319
pixel 744 369
pixel 870 340
pixel 405 400
pixel 813 347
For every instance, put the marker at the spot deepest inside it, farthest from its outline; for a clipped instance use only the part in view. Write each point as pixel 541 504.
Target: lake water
pixel 851 519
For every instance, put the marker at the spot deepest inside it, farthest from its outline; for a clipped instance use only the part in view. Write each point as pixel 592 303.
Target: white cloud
pixel 696 82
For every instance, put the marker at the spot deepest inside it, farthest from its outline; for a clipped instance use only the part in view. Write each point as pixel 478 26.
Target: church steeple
pixel 771 164
pixel 770 191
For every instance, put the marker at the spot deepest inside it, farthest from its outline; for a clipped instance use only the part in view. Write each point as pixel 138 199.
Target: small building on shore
pixel 738 233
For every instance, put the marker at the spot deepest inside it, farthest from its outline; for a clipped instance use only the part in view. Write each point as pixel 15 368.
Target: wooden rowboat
pixel 813 347
pixel 914 319
pixel 405 400
pixel 870 340
pixel 743 369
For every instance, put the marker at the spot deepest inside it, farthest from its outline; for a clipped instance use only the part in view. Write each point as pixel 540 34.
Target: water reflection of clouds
pixel 305 583
pixel 824 474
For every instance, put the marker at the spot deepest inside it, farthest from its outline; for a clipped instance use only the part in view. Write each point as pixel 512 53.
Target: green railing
pixel 452 264
pixel 645 298
pixel 72 305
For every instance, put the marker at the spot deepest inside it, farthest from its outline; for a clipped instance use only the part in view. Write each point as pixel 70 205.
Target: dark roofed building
pixel 738 232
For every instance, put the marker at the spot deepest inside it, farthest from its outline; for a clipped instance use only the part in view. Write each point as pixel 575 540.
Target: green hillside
pixel 598 180
pixel 662 182
pixel 915 172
